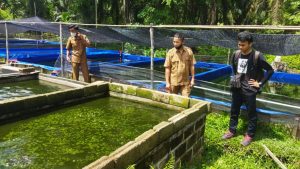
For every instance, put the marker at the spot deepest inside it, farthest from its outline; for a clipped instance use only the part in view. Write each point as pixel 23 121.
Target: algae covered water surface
pixel 27 88
pixel 75 136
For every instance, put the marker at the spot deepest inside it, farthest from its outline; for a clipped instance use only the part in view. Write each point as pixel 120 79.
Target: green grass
pixel 230 154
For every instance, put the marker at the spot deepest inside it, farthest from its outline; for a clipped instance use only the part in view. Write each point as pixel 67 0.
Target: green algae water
pixel 75 136
pixel 27 88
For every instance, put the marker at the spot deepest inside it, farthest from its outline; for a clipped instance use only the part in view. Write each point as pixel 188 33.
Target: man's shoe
pixel 228 135
pixel 247 140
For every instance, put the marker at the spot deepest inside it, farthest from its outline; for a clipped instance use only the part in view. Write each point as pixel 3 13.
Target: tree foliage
pixel 276 12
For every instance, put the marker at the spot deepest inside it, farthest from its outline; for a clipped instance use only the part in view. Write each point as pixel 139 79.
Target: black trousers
pixel 238 98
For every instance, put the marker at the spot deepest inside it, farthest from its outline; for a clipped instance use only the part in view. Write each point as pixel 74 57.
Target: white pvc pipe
pixel 254 27
pixel 258 99
pixel 96 13
pixel 61 51
pixel 152 53
pixel 6 43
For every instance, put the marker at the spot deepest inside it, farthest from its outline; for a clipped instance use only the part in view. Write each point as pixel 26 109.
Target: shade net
pixel 276 44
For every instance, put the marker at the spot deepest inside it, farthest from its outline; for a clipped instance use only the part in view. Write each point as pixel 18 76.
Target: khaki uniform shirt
pixel 180 63
pixel 78 45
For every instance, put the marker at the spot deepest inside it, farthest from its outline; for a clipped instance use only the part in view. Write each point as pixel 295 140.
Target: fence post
pixel 152 52
pixel 6 43
pixel 61 51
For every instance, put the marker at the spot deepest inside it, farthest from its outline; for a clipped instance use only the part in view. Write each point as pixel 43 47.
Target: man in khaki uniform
pixel 179 66
pixel 78 42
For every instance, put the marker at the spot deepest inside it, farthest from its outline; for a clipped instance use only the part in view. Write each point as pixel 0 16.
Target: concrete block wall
pixel 18 77
pixel 181 135
pixel 26 106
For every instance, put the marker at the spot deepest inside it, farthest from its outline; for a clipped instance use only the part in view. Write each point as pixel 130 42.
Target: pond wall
pixel 181 135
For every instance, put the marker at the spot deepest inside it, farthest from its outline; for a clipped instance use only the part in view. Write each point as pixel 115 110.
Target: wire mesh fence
pixel 43 48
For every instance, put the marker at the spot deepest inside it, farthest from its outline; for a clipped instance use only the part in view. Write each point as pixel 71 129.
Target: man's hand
pixel 68 58
pixel 80 36
pixel 168 87
pixel 253 83
pixel 192 83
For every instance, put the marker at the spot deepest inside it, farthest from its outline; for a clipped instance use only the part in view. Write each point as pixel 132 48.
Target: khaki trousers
pixel 84 70
pixel 185 90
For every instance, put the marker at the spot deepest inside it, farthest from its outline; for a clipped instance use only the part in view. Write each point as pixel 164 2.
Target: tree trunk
pixel 225 11
pixel 115 11
pixel 100 11
pixel 203 13
pixel 125 11
pixel 213 13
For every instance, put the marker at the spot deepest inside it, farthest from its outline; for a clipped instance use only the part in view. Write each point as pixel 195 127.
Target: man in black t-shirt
pixel 249 65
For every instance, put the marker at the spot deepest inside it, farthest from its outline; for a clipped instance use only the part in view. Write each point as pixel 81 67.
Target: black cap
pixel 73 27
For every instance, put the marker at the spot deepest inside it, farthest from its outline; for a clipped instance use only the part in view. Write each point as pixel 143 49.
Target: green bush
pixel 142 50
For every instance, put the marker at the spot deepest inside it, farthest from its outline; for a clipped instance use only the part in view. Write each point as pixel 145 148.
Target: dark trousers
pixel 238 98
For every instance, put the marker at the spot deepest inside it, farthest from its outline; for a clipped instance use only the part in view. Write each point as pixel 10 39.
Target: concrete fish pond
pixel 26 82
pixel 28 88
pixel 100 125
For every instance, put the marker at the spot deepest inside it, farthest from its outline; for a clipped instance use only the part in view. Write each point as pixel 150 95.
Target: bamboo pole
pixel 6 43
pixel 277 161
pixel 152 53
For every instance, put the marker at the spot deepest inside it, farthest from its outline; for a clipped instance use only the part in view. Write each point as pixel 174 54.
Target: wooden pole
pixel 152 53
pixel 62 67
pixel 6 43
pixel 277 161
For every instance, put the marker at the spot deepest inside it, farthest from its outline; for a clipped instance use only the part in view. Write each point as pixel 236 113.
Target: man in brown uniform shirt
pixel 78 43
pixel 179 65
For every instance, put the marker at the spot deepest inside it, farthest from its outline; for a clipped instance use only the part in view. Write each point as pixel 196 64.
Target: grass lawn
pixel 231 154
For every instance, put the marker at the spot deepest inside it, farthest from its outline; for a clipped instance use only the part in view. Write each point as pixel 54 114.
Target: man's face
pixel 72 30
pixel 177 43
pixel 244 46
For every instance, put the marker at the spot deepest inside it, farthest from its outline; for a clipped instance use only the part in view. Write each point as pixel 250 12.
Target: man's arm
pixel 192 76
pixel 68 55
pixel 167 66
pixel 86 41
pixel 266 66
pixel 68 47
pixel 192 70
pixel 167 76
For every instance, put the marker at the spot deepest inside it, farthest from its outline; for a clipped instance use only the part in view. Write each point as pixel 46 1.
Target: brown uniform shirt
pixel 180 63
pixel 78 45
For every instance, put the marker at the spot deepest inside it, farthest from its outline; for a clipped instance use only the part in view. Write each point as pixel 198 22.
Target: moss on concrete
pixel 179 101
pixel 144 93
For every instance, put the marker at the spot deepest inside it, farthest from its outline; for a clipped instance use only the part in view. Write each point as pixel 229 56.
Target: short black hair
pixel 73 27
pixel 179 36
pixel 245 37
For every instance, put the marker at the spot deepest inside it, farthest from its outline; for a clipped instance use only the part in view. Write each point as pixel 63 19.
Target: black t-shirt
pixel 245 66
